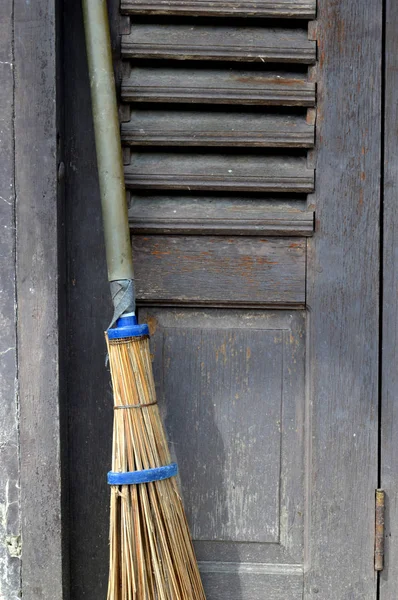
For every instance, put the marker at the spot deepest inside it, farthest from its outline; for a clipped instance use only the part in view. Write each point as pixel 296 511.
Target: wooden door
pixel 252 136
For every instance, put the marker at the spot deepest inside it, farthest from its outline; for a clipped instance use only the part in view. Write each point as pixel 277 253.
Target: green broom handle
pixel 107 141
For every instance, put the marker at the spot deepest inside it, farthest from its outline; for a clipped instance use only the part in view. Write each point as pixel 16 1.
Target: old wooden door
pixel 252 135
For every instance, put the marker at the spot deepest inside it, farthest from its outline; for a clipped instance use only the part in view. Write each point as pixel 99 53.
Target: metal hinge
pixel 379 530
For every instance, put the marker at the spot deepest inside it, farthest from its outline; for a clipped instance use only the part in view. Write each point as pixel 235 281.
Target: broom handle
pixel 107 141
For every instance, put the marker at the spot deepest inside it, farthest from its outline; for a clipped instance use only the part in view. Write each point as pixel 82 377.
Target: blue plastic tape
pixel 127 326
pixel 146 476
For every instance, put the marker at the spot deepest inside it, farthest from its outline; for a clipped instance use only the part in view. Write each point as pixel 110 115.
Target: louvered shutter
pixel 218 119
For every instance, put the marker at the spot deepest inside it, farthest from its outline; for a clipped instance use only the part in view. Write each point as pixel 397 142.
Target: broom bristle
pixel 151 553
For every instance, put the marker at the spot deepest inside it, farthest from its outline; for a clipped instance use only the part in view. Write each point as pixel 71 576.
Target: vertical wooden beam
pixel 343 291
pixel 39 265
pixel 10 539
pixel 389 406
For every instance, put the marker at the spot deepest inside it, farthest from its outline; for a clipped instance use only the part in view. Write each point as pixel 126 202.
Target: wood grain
pixel 196 171
pixel 219 270
pixel 389 384
pixel 254 581
pixel 246 44
pixel 223 497
pixel 209 367
pixel 155 84
pixel 205 128
pixel 10 522
pixel 343 291
pixel 165 215
pixel 301 9
pixel 39 285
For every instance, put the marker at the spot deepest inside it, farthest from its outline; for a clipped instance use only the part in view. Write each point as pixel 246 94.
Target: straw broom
pixel 151 552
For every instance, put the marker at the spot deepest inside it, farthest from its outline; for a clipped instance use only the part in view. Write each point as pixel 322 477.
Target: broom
pixel 151 552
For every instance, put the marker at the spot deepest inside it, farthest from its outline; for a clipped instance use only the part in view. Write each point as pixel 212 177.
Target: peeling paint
pixel 14 545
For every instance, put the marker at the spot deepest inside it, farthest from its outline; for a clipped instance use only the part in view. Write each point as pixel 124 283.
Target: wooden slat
pixel 301 9
pixel 216 216
pixel 343 296
pixel 217 87
pixel 218 172
pixel 219 270
pixel 10 494
pixel 37 124
pixel 210 42
pixel 192 128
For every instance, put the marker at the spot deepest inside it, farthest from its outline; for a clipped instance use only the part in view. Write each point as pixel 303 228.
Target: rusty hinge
pixel 379 530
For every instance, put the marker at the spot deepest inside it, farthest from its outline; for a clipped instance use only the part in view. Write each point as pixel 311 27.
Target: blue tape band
pixel 146 476
pixel 127 326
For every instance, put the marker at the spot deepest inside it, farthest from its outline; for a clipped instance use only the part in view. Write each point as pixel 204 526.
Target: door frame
pixel 343 302
pixel 40 295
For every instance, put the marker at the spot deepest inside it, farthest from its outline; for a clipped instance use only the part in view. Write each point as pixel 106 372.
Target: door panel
pixel 220 270
pixel 231 387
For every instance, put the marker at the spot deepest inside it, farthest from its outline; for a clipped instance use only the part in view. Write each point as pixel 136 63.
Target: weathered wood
pixel 219 270
pixel 231 385
pixel 223 497
pixel 217 216
pixel 247 44
pixel 343 290
pixel 10 518
pixel 193 171
pixel 389 356
pixel 236 581
pixel 194 128
pixel 39 281
pixel 300 9
pixel 155 84
pixel 343 331
pixel 89 394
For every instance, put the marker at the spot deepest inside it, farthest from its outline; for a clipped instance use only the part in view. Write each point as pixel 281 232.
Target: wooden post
pixel 40 267
pixel 10 539
pixel 343 302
